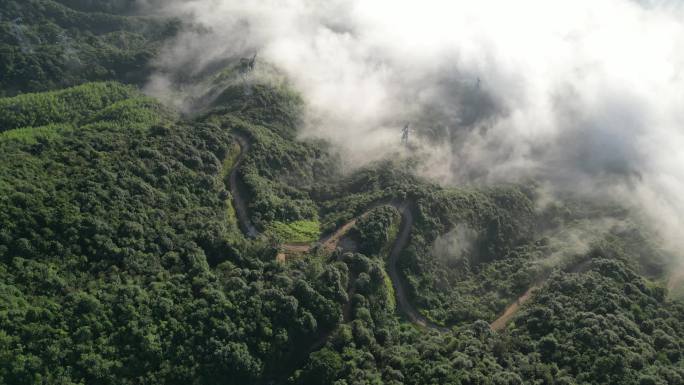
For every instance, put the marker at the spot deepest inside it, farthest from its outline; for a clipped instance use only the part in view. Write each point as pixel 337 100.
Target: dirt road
pixel 501 322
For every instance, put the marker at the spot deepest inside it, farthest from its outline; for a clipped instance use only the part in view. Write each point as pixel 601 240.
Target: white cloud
pixel 584 94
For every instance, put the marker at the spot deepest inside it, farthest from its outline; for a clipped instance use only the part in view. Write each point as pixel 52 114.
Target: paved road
pixel 405 306
pixel 235 186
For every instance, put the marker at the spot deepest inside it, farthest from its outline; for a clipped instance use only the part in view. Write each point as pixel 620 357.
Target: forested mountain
pixel 46 45
pixel 139 245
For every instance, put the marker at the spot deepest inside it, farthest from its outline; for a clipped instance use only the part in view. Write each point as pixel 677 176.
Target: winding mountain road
pixel 330 243
pixel 235 187
pixel 411 313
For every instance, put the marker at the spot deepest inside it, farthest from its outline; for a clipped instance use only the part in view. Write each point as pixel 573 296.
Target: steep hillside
pixel 46 45
pixel 142 245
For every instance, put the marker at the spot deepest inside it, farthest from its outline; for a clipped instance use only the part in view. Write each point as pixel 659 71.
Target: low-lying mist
pixel 583 96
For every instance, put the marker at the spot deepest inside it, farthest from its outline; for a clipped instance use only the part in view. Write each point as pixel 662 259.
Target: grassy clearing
pixel 296 232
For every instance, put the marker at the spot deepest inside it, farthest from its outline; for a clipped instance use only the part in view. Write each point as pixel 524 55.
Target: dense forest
pixel 124 258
